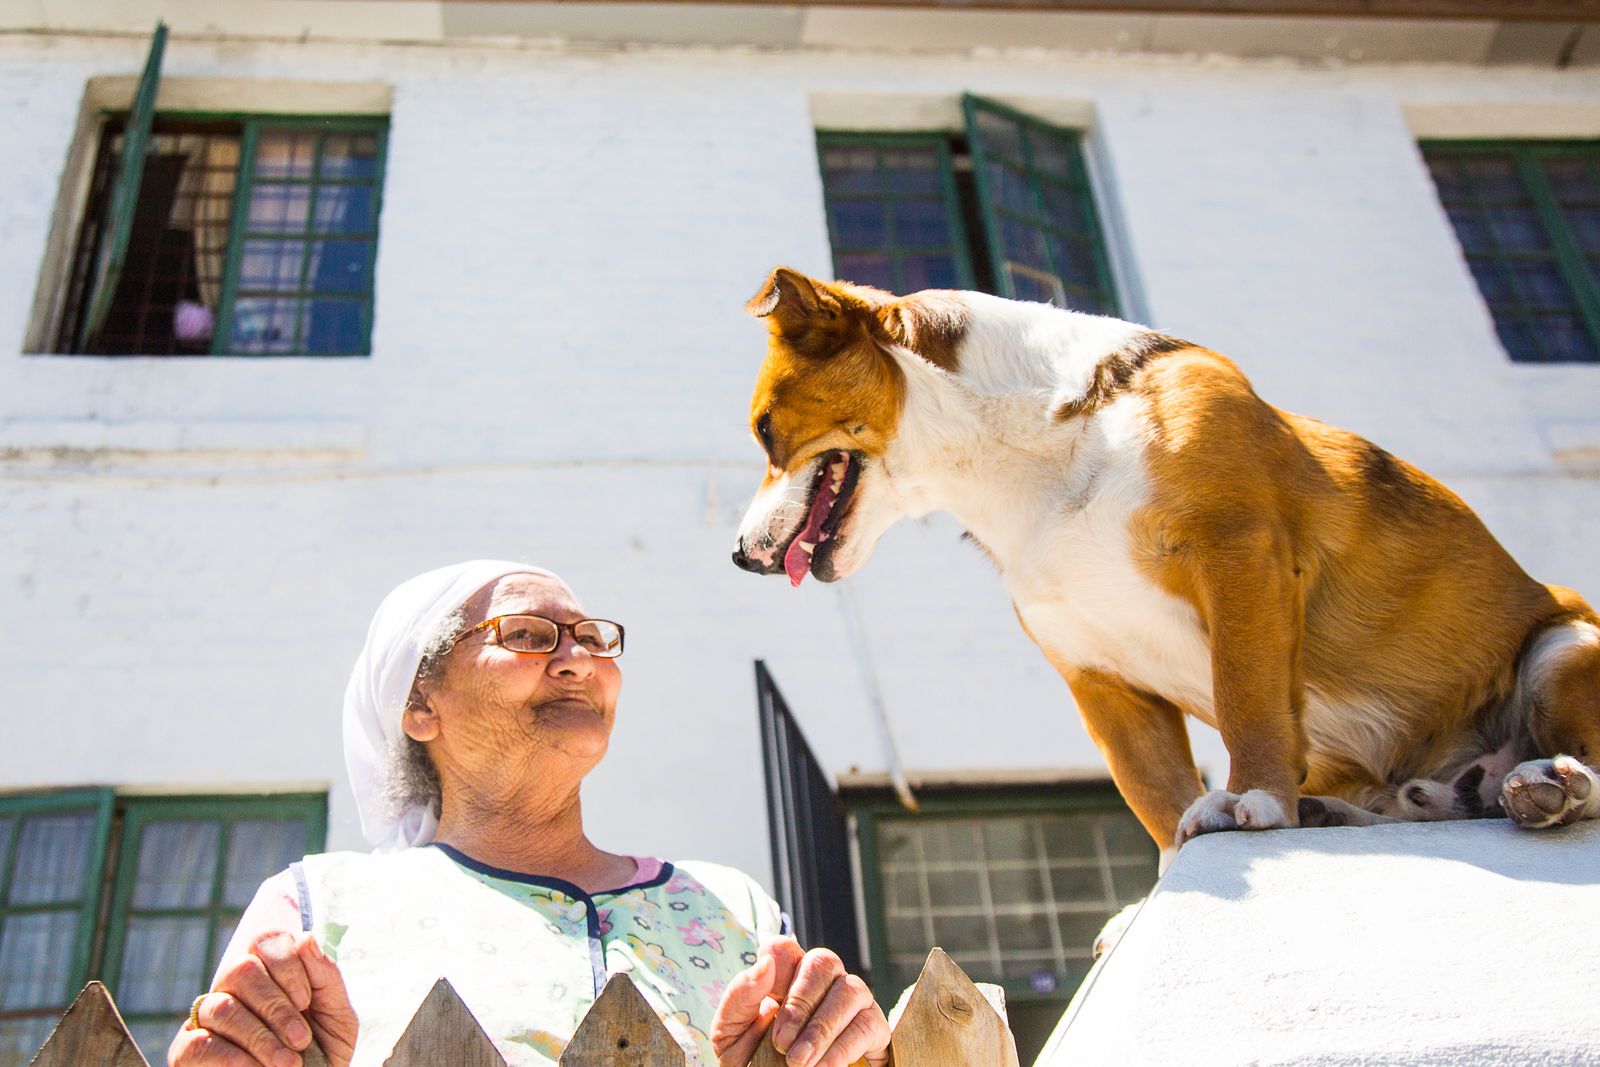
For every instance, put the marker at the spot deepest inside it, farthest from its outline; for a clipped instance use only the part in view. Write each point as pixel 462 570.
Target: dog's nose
pixel 744 562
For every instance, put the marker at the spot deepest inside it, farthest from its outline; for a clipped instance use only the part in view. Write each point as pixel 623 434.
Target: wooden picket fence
pixel 946 1022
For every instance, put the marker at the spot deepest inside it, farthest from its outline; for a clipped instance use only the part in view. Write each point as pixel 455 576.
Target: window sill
pixel 74 441
pixel 1575 445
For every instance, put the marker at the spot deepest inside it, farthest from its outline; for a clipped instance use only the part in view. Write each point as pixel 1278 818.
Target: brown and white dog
pixel 1177 546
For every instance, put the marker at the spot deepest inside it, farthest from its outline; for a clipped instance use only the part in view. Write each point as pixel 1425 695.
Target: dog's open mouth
pixel 812 547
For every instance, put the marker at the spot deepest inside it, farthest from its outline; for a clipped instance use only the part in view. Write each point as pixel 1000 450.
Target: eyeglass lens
pixel 534 633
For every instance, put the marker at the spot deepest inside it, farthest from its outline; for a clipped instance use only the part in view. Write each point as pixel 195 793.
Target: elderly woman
pixel 484 695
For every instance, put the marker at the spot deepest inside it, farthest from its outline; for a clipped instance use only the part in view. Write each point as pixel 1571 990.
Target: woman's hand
pixel 820 1015
pixel 257 1012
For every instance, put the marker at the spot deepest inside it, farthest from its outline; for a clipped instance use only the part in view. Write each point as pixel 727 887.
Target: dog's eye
pixel 764 433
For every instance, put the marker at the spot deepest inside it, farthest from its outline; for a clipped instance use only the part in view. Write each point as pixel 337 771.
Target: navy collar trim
pixel 569 888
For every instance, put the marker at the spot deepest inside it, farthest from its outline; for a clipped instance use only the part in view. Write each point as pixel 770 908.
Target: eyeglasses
pixel 601 638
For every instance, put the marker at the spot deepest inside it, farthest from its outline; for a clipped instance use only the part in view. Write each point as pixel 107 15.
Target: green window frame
pixel 1527 216
pixel 29 1010
pixel 150 886
pixel 897 262
pixel 1024 224
pixel 290 312
pixel 299 264
pixel 1080 835
pixel 318 183
pixel 1044 232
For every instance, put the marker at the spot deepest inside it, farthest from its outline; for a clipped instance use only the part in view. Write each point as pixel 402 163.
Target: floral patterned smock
pixel 527 954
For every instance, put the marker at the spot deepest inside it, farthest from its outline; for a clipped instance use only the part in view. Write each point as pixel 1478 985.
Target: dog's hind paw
pixel 1424 800
pixel 1218 810
pixel 1550 792
pixel 1321 812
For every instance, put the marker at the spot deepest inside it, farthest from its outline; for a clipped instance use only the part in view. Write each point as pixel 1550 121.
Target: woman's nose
pixel 571 658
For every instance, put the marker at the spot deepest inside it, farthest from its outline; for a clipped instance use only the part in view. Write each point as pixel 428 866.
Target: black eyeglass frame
pixel 561 628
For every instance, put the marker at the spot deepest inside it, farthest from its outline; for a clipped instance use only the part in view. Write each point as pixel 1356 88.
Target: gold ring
pixel 194 1013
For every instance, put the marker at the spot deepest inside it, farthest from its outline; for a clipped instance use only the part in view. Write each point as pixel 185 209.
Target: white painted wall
pixel 191 549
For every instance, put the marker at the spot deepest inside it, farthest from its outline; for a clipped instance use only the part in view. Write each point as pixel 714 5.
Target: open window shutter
pixel 1042 230
pixel 810 841
pixel 124 198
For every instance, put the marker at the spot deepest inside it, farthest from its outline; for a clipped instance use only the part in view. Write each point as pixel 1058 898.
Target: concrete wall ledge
pixel 1442 943
pixel 43 438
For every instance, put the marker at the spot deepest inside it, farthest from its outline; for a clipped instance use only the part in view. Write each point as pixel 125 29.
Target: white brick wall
pixel 561 369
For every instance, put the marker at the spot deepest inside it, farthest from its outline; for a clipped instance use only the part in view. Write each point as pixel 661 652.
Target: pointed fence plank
pixel 443 1031
pixel 947 1020
pixel 313 1057
pixel 768 1056
pixel 622 1029
pixel 91 1032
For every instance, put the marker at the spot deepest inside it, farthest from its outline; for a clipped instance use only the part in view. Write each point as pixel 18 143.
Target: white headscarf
pixel 380 685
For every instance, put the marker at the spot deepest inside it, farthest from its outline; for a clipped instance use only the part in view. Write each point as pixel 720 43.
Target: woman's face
pixel 499 716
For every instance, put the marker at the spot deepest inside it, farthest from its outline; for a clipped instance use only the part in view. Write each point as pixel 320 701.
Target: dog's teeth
pixel 808 547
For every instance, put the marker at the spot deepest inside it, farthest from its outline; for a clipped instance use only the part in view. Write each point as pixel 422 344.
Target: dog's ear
pixel 795 301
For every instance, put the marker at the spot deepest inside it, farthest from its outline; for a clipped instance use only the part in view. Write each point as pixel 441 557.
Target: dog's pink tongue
pixel 797 561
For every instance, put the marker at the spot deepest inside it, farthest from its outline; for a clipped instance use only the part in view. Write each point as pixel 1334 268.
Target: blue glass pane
pixel 223 933
pixel 333 327
pixel 20 1039
pixel 36 959
pixel 1023 244
pixel 338 267
pixel 267 264
pixel 858 224
pixel 866 270
pixel 263 325
pixel 1540 285
pixel 1584 225
pixel 154 1035
pixel 1447 178
pixel 850 170
pixel 1522 343
pixel 1517 228
pixel 1067 208
pixel 911 171
pixel 929 272
pixel 1471 229
pixel 1054 153
pixel 1075 261
pixel 1565 339
pixel 921 224
pixel 177 865
pixel 257 849
pixel 349 156
pixel 279 208
pixel 1493 283
pixel 1574 181
pixel 163 963
pixel 1493 178
pixel 345 208
pixel 1009 188
pixel 285 155
pixel 1028 285
pixel 52 858
pixel 998 135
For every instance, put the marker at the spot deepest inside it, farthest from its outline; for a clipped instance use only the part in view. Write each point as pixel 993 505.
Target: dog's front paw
pixel 1254 809
pixel 1550 792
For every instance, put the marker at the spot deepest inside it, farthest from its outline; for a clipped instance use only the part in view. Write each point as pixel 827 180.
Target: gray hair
pixel 409 776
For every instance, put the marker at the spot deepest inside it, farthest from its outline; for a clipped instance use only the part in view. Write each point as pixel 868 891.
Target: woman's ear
pixel 420 723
